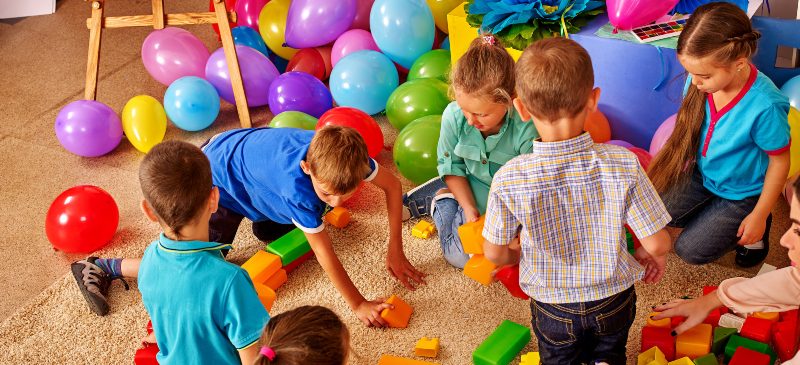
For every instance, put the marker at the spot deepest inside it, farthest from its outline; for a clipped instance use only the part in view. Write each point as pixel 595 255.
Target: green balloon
pixel 416 99
pixel 415 149
pixel 433 64
pixel 292 119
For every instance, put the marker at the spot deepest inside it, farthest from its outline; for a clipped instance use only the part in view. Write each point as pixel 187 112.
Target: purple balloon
pixel 361 20
pixel 171 53
pixel 88 128
pixel 621 143
pixel 351 41
pixel 314 23
pixel 247 12
pixel 299 91
pixel 257 71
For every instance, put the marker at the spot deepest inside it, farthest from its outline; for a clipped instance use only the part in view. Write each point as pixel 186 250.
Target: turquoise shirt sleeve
pixel 244 318
pixel 771 128
pixel 447 162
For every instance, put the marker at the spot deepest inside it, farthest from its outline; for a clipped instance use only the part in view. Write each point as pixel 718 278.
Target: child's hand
pixel 654 267
pixel 471 214
pixel 751 230
pixel 695 311
pixel 369 312
pixel 402 270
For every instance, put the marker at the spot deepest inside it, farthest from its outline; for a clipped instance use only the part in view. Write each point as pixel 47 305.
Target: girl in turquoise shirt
pixel 481 131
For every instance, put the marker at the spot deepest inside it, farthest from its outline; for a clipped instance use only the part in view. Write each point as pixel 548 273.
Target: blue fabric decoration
pixel 500 14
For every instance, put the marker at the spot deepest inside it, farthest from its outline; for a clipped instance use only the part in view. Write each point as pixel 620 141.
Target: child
pixel 304 335
pixel 724 166
pixel 481 131
pixel 225 318
pixel 568 201
pixel 282 178
pixel 776 291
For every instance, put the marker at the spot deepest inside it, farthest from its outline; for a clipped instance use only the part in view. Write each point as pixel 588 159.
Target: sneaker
pixel 93 283
pixel 746 257
pixel 418 200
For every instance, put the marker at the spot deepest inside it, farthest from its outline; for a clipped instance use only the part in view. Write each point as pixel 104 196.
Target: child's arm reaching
pixel 653 255
pixel 367 311
pixel 459 186
pixel 752 228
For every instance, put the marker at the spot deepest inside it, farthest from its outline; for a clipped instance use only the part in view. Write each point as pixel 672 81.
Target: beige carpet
pixel 45 320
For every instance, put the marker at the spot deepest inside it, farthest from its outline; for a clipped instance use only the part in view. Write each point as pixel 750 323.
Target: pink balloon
pixel 351 41
pixel 621 143
pixel 247 12
pixel 171 53
pixel 662 134
pixel 361 21
pixel 627 14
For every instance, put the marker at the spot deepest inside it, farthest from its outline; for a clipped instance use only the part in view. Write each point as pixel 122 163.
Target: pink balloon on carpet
pixel 662 135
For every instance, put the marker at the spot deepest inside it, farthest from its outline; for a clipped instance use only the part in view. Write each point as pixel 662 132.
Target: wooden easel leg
pixel 95 29
pixel 233 63
pixel 158 14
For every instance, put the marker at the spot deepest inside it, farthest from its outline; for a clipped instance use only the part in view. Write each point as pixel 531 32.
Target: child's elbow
pixel 493 253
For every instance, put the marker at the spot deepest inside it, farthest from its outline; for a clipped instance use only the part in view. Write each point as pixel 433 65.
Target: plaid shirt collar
pixel 565 147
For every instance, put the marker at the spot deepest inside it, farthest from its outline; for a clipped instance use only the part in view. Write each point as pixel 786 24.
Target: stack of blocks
pixel 502 345
pixel 478 267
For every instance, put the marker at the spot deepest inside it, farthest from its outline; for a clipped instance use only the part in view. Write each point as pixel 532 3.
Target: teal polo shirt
pixel 463 151
pixel 203 308
pixel 736 141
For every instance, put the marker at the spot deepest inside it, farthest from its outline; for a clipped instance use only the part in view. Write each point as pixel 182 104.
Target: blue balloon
pixel 792 91
pixel 364 80
pixel 279 62
pixel 191 103
pixel 410 18
pixel 246 36
pixel 445 43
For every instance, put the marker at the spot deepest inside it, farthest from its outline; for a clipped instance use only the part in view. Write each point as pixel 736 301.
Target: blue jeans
pixel 710 223
pixel 588 332
pixel 448 216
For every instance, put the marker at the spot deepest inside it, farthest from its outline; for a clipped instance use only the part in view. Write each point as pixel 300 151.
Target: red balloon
pixel 643 156
pixel 310 61
pixel 82 219
pixel 358 120
pixel 229 5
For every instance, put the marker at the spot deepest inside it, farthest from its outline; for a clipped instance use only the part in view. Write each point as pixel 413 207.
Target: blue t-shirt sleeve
pixel 373 170
pixel 308 219
pixel 771 128
pixel 244 317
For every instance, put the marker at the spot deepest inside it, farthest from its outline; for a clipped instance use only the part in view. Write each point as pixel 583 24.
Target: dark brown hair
pixel 337 157
pixel 554 78
pixel 486 69
pixel 305 335
pixel 719 30
pixel 176 182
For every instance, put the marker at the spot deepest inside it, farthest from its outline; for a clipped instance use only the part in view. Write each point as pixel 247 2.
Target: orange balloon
pixel 598 128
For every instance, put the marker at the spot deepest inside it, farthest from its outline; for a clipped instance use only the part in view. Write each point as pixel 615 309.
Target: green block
pixel 708 359
pixel 721 336
pixel 631 245
pixel 289 247
pixel 737 341
pixel 502 345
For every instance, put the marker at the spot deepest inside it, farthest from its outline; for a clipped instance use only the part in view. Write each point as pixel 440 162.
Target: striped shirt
pixel 570 200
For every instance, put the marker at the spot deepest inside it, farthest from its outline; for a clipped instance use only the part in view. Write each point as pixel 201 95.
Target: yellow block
pixel 695 342
pixel 422 229
pixel 480 269
pixel 471 235
pixel 262 265
pixel 394 360
pixel 682 361
pixel 770 316
pixel 653 356
pixel 265 294
pixel 531 358
pixel 400 315
pixel 661 323
pixel 427 347
pixel 462 34
pixel 276 280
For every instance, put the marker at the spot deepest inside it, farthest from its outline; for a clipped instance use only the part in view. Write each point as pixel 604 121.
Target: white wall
pixel 20 8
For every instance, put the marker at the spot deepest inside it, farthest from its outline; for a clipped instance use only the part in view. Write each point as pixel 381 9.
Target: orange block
pixel 427 347
pixel 262 265
pixel 472 237
pixel 661 323
pixel 399 316
pixel 276 280
pixel 265 294
pixel 480 269
pixel 770 316
pixel 695 342
pixel 395 360
pixel 339 217
pixel 423 230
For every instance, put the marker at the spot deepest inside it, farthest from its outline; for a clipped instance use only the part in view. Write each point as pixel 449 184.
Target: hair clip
pixel 489 39
pixel 268 352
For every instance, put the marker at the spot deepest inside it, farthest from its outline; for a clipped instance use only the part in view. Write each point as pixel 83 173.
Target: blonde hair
pixel 554 78
pixel 486 69
pixel 337 157
pixel 305 335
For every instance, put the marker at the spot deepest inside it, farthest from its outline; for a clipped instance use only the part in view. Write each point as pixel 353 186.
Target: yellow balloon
pixel 440 8
pixel 794 151
pixel 144 122
pixel 272 26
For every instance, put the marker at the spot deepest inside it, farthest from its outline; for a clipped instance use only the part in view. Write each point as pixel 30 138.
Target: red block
pixel 746 356
pixel 146 355
pixel 676 321
pixel 294 264
pixel 784 337
pixel 788 316
pixel 758 329
pixel 509 276
pixel 713 318
pixel 723 309
pixel 654 336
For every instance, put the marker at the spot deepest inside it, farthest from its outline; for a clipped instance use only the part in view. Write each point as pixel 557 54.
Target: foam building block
pixel 146 355
pixel 731 320
pixel 472 237
pixel 676 321
pixel 509 276
pixel 502 345
pixel 338 217
pixel 745 356
pixel 427 347
pixel 395 360
pixel 694 342
pixel 294 264
pixel 290 247
pixel 652 356
pixel 758 329
pixel 265 294
pixel 785 337
pixel 531 358
pixel 737 341
pixel 707 359
pixel 423 230
pixel 480 269
pixel 713 318
pixel 660 337
pixel 661 323
pixel 709 289
pixel 262 266
pixel 277 279
pixel 791 315
pixel 400 315
pixel 721 337
pixel 682 361
pixel 770 316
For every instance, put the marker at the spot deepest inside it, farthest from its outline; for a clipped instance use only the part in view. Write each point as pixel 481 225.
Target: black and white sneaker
pixel 93 283
pixel 418 200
